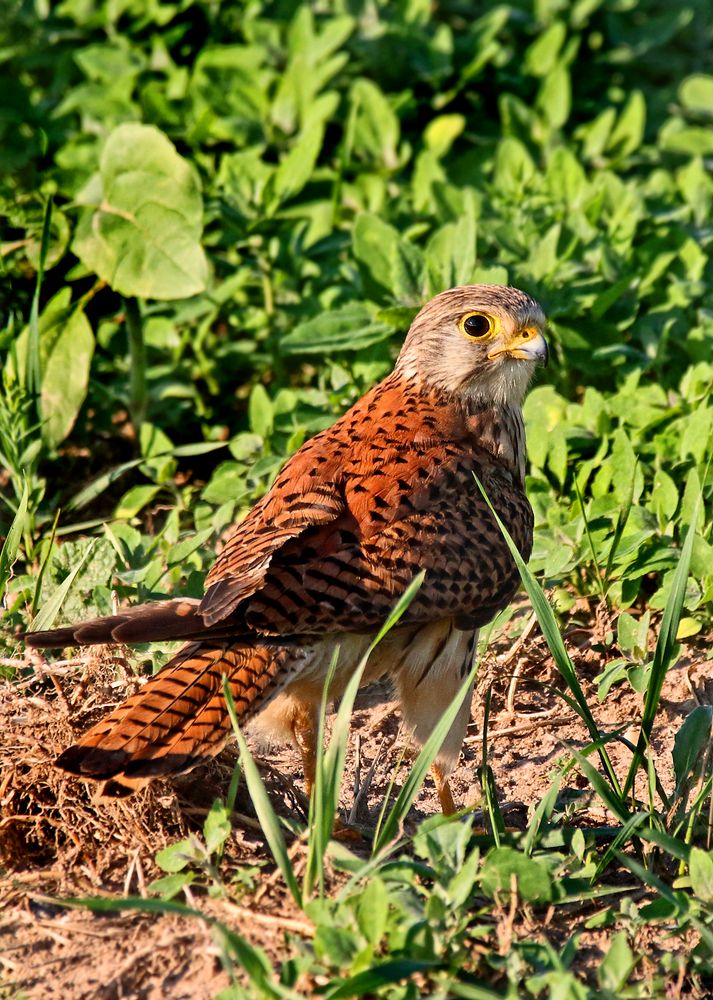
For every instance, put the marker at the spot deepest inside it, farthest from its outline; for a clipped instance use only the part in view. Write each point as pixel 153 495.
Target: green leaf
pixel 700 867
pixel 541 57
pixel 142 233
pixel 691 742
pixel 505 865
pixel 451 251
pixel 365 984
pixel 171 885
pixel 664 496
pixel 66 346
pixel 376 130
pixel 48 613
pixel 375 246
pixel 348 328
pixel 260 412
pixel 296 167
pixel 135 500
pixel 696 93
pixel 176 857
pixel 372 910
pixel 554 99
pixel 617 965
pixel 180 552
pixel 628 133
pixel 442 131
pixel 216 827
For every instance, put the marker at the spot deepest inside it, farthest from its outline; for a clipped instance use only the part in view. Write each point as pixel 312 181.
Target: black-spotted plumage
pixel 389 490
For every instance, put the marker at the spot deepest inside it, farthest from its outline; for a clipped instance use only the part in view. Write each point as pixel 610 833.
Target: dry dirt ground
pixel 57 841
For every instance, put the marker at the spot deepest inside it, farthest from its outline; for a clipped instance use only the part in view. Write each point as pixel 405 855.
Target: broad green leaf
pixel 376 133
pixel 442 131
pixel 628 133
pixel 347 328
pixel 696 93
pixel 296 167
pixel 407 272
pixel 180 552
pixel 141 232
pixel 135 500
pixel 176 857
pixel 514 167
pixel 664 496
pixel 364 984
pixel 372 910
pixel 260 411
pixel 170 886
pixel 375 247
pixel 504 867
pixel 617 965
pixel 66 346
pixel 216 827
pixel 554 99
pixel 451 251
pixel 541 57
pixel 700 867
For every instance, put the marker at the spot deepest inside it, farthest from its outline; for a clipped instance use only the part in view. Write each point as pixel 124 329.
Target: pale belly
pixel 426 665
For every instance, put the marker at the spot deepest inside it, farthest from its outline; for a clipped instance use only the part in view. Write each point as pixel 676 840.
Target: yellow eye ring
pixel 477 326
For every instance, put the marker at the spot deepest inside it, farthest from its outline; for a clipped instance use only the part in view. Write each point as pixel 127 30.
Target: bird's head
pixel 479 342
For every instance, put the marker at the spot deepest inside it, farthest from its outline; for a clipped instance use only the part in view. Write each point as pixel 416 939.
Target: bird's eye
pixel 476 326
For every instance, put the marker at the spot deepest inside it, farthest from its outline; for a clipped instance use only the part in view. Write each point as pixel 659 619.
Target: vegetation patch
pixel 219 221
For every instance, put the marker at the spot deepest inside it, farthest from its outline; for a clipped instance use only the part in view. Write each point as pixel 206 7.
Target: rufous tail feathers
pixel 178 719
pixel 177 619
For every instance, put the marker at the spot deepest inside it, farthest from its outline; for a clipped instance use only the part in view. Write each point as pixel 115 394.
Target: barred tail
pixel 178 719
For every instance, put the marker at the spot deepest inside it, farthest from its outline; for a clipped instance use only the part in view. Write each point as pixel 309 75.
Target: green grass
pixel 327 168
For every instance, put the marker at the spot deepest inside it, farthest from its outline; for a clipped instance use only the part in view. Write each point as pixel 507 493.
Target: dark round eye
pixel 477 325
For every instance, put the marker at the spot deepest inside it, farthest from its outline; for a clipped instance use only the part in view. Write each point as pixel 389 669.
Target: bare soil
pixel 58 841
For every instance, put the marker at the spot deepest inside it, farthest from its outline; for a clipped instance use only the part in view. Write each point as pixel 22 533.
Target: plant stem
pixel 137 363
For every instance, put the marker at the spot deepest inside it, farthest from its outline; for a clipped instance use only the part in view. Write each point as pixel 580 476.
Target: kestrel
pixel 387 491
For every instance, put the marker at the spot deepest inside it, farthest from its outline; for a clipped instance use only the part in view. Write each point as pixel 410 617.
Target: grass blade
pixel 45 618
pixel 621 522
pixel 422 764
pixel 325 794
pixel 664 652
pixel 330 765
pixel 263 807
pixel 487 779
pixel 8 555
pixel 593 552
pixel 553 638
pixel 33 371
pixel 37 592
pixel 378 976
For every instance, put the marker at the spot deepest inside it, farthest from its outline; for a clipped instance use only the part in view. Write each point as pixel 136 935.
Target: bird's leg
pixel 304 732
pixel 305 722
pixel 443 790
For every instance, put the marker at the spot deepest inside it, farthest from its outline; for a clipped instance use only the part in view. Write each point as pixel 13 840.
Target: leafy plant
pixel 220 220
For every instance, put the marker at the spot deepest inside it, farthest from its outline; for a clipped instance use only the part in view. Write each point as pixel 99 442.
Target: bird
pixel 315 567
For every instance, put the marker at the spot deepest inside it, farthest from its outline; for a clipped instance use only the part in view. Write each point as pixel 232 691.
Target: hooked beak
pixel 530 345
